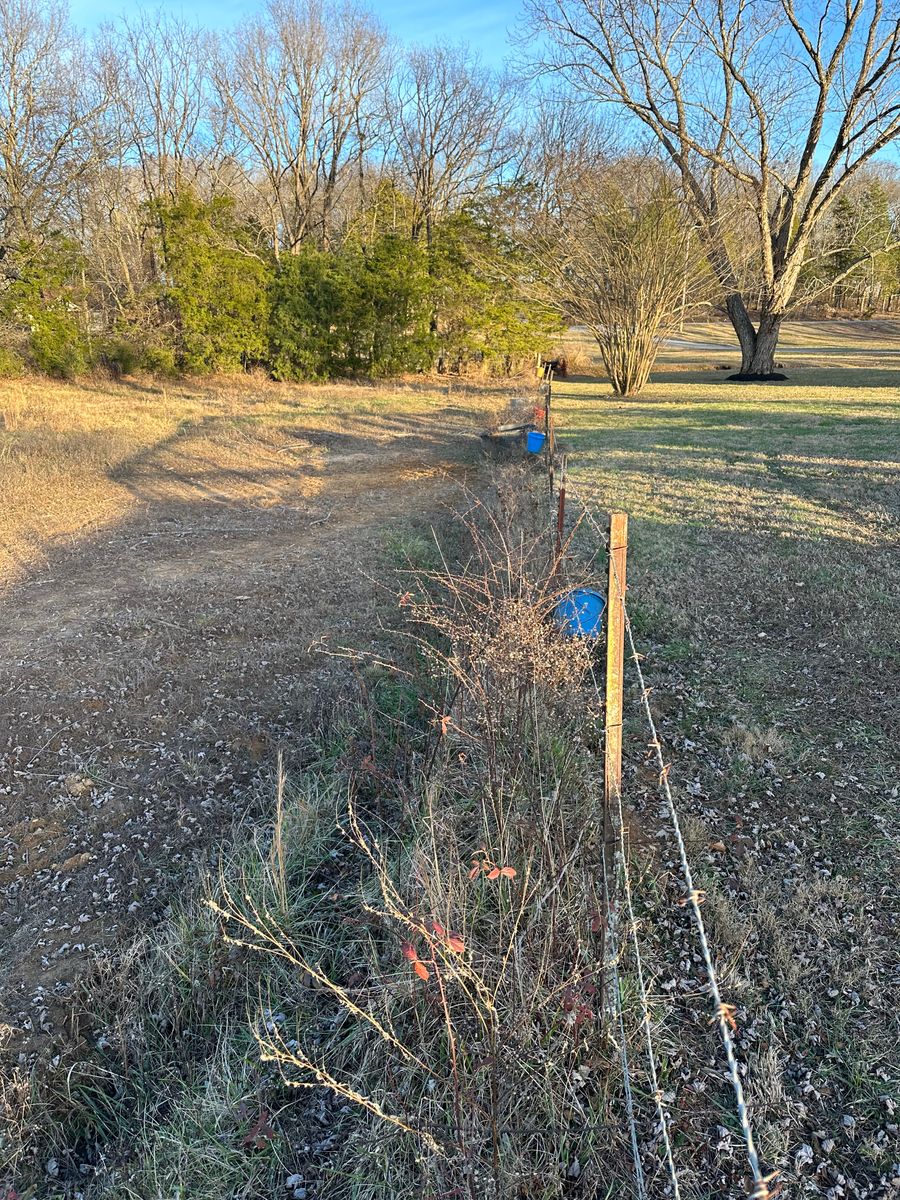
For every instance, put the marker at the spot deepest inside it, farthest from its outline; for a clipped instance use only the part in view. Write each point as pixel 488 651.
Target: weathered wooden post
pixel 561 510
pixel 612 707
pixel 548 433
pixel 615 653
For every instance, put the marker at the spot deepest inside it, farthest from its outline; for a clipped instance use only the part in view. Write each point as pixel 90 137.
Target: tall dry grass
pixel 454 1000
pixel 407 999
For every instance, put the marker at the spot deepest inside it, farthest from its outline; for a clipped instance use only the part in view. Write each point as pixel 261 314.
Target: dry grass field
pixel 176 555
pixel 78 459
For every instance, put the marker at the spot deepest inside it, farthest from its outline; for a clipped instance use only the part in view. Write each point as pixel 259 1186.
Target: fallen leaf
pixel 261 1133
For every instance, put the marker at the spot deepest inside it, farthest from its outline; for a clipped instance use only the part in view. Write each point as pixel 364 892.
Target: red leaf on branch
pixel 409 952
pixel 421 970
pixel 508 872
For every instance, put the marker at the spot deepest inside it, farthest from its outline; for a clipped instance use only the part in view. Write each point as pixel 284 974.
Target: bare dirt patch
pixel 161 624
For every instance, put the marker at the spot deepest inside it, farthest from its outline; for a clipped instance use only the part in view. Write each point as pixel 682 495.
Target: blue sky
pixel 483 25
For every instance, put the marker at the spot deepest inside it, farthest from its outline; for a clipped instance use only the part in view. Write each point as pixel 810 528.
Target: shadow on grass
pixel 182 467
pixel 778 492
pixel 707 409
pixel 805 375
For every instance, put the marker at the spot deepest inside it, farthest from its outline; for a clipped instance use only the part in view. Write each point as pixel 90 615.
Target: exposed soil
pixel 149 670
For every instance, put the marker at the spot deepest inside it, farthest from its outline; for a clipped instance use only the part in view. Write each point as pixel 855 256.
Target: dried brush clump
pixel 454 999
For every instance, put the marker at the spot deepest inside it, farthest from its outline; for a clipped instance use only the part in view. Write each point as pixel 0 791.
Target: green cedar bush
pixel 217 287
pixel 483 313
pixel 381 302
pixel 306 334
pixel 12 365
pixel 359 310
pixel 46 299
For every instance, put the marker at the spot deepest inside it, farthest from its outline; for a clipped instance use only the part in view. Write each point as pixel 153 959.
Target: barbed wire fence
pixel 623 890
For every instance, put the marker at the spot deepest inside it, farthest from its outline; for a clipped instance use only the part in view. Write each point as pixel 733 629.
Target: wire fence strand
pixel 622 879
pixel 723 1013
pixel 611 928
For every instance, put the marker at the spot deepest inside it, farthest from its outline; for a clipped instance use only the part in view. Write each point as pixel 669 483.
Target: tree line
pixel 299 195
pixel 304 196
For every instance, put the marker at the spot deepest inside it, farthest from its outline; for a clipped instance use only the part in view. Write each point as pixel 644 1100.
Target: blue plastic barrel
pixel 536 441
pixel 579 613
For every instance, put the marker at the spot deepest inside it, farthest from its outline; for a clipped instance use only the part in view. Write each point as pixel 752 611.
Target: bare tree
pixel 562 140
pixel 449 127
pixel 853 261
pixel 298 91
pixel 48 119
pixel 156 65
pixel 618 256
pixel 764 104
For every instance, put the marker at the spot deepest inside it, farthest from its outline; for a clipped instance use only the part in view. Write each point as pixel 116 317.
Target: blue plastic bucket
pixel 535 441
pixel 580 613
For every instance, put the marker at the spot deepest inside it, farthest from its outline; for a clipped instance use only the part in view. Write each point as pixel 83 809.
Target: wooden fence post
pixel 561 510
pixel 615 661
pixel 548 433
pixel 612 724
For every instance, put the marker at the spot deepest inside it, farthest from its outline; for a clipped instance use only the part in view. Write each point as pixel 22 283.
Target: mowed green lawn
pixel 764 571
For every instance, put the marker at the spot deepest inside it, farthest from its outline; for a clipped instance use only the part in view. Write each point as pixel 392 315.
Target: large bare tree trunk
pixel 743 327
pixel 758 344
pixel 763 361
